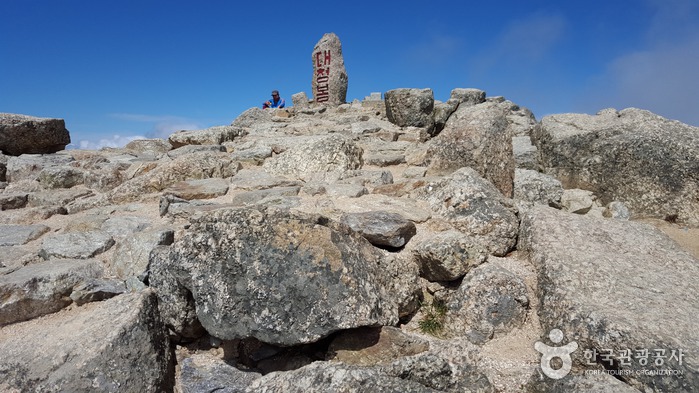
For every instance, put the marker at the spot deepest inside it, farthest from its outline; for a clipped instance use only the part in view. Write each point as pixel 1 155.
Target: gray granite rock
pixel 199 188
pixel 13 235
pixel 42 288
pixel 475 207
pixel 80 245
pixel 381 228
pixel 536 187
pixel 448 255
pixel 210 136
pixel 22 134
pixel 410 107
pixel 281 278
pixel 648 162
pixel 491 300
pixel 202 374
pixel 607 284
pixel 116 346
pixel 478 137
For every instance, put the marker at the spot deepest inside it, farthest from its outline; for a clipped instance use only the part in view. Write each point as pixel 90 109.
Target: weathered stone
pixel 13 200
pixel 478 137
pixel 192 166
pixel 346 190
pixel 300 100
pixel 491 300
pixel 532 186
pixel 442 111
pixel 448 256
pixel 281 278
pixel 3 168
pixel 381 228
pixel 189 149
pixel 199 188
pixel 327 155
pixel 42 288
pixel 607 284
pixel 97 290
pixel 329 83
pixel 475 207
pixel 28 166
pixel 248 198
pixel 467 97
pixel 648 162
pixel 209 136
pixel 175 302
pixel 201 374
pixel 410 107
pixel 597 383
pixel 372 346
pixel 618 210
pixel 251 118
pixel 79 245
pixel 116 346
pixel 21 134
pixel 322 377
pixel 13 235
pixel 57 197
pixel 131 257
pixel 577 201
pixel 525 153
pixel 123 227
pixel 431 370
pixel 156 145
pixel 61 177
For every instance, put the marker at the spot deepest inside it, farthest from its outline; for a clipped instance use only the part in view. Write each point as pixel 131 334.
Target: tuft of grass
pixel 432 321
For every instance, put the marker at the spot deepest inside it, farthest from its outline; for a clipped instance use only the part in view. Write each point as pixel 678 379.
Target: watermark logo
pixel 549 353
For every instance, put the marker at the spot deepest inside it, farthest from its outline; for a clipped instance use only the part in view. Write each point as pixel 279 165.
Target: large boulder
pixel 21 134
pixel 410 107
pixel 475 207
pixel 490 300
pixel 329 155
pixel 210 136
pixel 281 278
pixel 114 346
pixel 477 136
pixel 621 287
pixel 633 156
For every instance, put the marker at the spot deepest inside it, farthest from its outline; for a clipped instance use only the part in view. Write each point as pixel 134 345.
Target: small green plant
pixel 432 321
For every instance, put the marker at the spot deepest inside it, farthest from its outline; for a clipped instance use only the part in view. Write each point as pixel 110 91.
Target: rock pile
pixel 423 247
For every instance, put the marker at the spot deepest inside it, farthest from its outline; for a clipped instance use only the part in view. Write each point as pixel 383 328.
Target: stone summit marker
pixel 329 84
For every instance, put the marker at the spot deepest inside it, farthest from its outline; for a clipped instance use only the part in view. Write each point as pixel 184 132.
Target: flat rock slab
pixel 76 245
pixel 381 228
pixel 42 288
pixel 199 189
pixel 16 235
pixel 118 345
pixel 613 285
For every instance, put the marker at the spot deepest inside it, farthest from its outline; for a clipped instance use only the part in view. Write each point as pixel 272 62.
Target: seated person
pixel 275 102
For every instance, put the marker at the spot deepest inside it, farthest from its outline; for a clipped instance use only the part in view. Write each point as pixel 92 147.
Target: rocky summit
pixel 387 245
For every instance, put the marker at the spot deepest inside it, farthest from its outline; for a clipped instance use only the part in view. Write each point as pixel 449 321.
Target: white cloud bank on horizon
pixel 114 141
pixel 662 77
pixel 163 126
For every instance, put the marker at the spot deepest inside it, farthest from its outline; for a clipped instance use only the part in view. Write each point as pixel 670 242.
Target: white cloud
pixel 524 41
pixel 114 141
pixel 162 126
pixel 435 50
pixel 662 77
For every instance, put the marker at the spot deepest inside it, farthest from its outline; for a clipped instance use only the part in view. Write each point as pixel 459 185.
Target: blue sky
pixel 115 70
